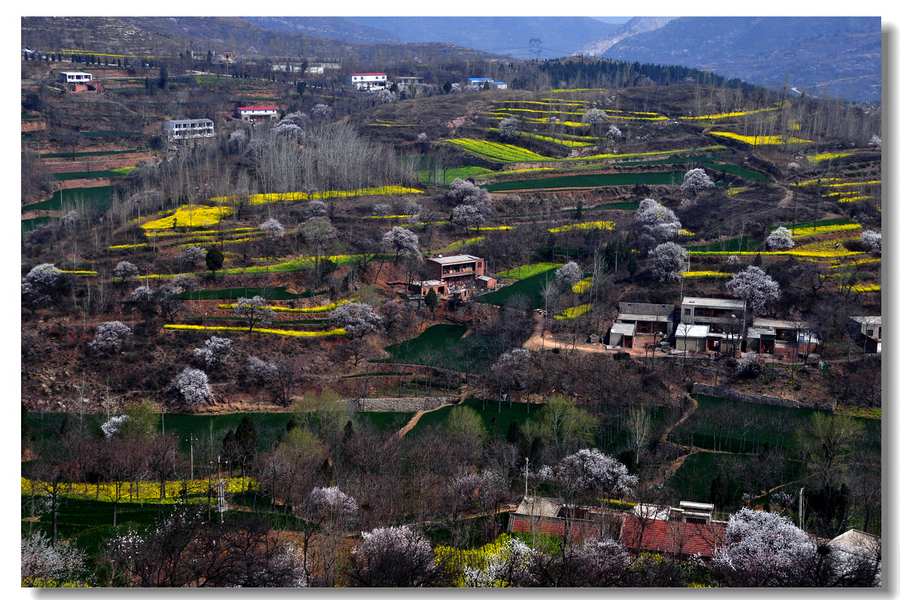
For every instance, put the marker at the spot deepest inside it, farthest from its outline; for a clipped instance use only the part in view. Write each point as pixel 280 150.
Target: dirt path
pixel 415 419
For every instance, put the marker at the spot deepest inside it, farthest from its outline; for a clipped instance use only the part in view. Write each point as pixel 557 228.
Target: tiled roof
pixel 671 537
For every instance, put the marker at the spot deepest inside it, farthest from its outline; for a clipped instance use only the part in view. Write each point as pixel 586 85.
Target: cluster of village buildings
pixel 184 129
pixel 703 325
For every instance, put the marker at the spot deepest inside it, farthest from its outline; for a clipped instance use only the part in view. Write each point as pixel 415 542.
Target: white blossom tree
pixel 614 132
pixel 400 241
pixel 46 565
pixel 513 369
pixel 261 371
pixel 748 365
pixel 875 140
pixel 871 240
pixel 125 271
pixel 315 209
pixel 393 557
pixel 668 261
pixel 216 352
pixel 191 386
pixel 509 566
pixel 254 310
pixel 695 182
pixel 593 117
pixel 41 285
pixel 292 125
pixel 330 501
pixel 592 472
pixel 109 337
pixel 510 127
pixel 762 549
pixel 272 228
pixel 322 112
pixel 755 286
pixel 467 216
pixel 658 220
pixel 780 239
pixel 385 97
pixel 191 255
pixel 568 275
pixel 357 319
pixel 113 425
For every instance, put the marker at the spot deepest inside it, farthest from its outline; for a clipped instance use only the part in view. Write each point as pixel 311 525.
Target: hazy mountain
pixel 332 28
pixel 513 36
pixel 632 27
pixel 837 55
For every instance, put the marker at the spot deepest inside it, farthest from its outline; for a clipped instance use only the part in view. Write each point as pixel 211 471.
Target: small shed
pixel 621 334
pixel 691 338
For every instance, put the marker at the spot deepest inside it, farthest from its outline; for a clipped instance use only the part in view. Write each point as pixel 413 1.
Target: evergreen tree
pixel 214 259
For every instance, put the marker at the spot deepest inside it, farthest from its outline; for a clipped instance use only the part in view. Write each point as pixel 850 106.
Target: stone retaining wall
pixel 720 392
pixel 398 404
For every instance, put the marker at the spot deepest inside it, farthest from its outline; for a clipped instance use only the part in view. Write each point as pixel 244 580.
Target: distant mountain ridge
pixel 632 27
pixel 837 55
pixel 512 36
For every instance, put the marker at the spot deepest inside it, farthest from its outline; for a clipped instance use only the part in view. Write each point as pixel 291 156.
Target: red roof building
pixel 673 538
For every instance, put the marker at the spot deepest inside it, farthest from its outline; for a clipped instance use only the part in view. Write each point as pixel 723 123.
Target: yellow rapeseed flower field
pixel 190 216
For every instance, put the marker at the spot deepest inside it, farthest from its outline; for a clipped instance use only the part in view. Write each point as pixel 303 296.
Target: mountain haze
pixel 559 36
pixel 837 55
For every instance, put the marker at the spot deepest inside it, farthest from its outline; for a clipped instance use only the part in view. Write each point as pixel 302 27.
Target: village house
pixel 257 113
pixel 867 331
pixel 639 324
pixel 452 277
pixel 781 338
pixel 480 81
pixel 457 270
pixel 185 129
pixel 368 81
pixel 683 532
pixel 77 81
pixel 404 83
pixel 711 325
pixel 74 77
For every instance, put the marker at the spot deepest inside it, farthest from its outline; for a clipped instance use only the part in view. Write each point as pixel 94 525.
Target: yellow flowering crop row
pixel 864 288
pixel 759 140
pixel 284 332
pixel 610 225
pixel 147 491
pixel 583 285
pixel 126 246
pixel 574 312
pixel 855 198
pixel 190 216
pixel 704 274
pixel 206 231
pixel 735 190
pixel 862 261
pixel 79 272
pixel 727 115
pixel 817 181
pixel 807 231
pixel 389 217
pixel 827 156
pixel 497 228
pixel 314 309
pixel 686 233
pixel 503 152
pixel 852 183
pixel 257 199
